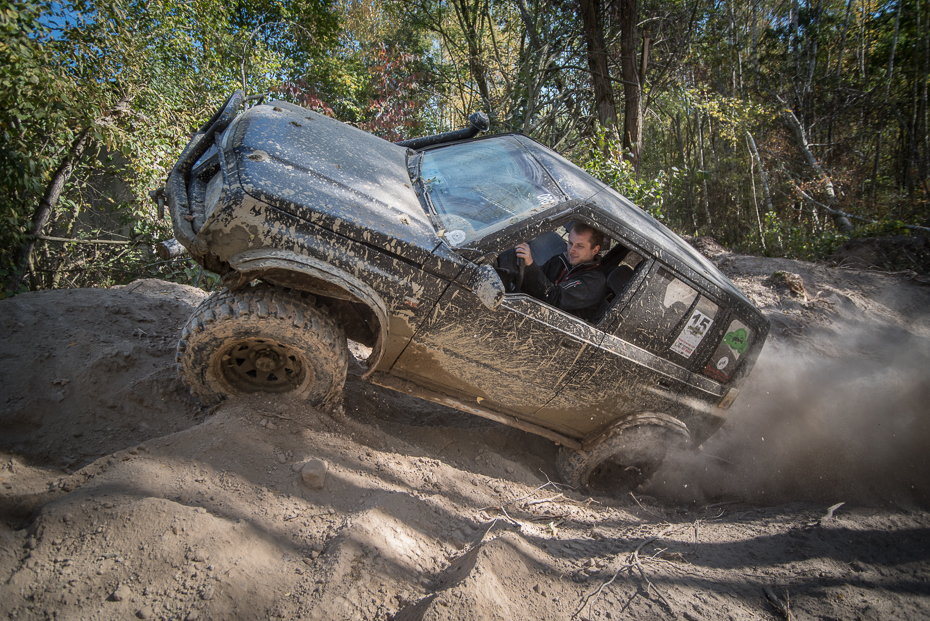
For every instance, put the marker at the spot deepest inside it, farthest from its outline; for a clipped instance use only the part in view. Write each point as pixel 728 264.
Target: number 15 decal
pixel 692 334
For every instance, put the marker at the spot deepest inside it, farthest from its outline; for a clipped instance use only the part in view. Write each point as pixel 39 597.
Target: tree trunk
pixel 700 153
pixel 755 202
pixel 917 164
pixel 632 84
pixel 47 204
pixel 468 17
pixel 839 59
pixel 689 204
pixel 881 118
pixel 762 174
pixel 592 21
pixel 755 43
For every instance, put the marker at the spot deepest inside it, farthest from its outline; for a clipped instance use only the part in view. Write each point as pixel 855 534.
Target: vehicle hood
pixel 331 174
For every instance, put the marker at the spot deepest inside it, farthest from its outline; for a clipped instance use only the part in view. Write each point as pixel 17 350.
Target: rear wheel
pixel 625 459
pixel 263 339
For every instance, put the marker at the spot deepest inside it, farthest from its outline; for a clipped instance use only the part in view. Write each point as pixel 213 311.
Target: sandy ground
pixel 120 497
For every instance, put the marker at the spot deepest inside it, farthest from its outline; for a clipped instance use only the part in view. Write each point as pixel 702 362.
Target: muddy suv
pixel 322 233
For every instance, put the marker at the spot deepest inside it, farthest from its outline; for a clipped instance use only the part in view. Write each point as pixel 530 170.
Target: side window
pixel 660 306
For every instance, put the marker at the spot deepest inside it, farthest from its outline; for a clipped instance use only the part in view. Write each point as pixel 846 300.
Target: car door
pixel 513 359
pixel 639 365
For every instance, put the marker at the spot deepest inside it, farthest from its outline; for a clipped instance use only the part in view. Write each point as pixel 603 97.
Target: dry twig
pixel 782 607
pixel 644 508
pixel 642 572
pixel 633 561
pixel 539 502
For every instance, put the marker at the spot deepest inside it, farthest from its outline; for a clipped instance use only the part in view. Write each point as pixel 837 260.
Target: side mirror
pixel 487 285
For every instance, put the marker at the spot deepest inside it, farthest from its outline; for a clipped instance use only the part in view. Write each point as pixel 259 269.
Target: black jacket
pixel 578 290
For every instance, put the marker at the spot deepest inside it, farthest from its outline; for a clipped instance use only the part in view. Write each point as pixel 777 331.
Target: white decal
pixel 692 334
pixel 722 363
pixel 456 237
pixel 678 291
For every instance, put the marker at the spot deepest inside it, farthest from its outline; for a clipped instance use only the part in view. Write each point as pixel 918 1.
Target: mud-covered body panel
pixel 302 201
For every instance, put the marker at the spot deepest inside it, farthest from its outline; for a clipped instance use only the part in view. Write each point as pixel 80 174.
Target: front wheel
pixel 625 459
pixel 263 339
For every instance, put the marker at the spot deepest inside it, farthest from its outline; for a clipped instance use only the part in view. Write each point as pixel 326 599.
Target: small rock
pixel 67 518
pixel 145 612
pixel 207 593
pixel 793 282
pixel 193 615
pixel 263 422
pixel 198 556
pixel 313 473
pixel 271 426
pixel 31 543
pixel 121 593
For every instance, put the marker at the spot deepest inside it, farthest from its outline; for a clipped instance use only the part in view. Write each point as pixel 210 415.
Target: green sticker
pixel 738 340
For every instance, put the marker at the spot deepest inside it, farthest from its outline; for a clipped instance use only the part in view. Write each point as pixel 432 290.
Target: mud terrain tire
pixel 623 461
pixel 263 339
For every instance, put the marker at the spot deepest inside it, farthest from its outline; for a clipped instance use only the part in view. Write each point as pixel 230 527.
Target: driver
pixel 570 281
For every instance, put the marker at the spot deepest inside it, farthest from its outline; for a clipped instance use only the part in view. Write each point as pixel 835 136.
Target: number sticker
pixel 692 334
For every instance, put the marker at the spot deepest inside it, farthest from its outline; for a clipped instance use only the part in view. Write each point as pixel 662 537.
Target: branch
pixel 85 241
pixel 840 220
pixel 836 212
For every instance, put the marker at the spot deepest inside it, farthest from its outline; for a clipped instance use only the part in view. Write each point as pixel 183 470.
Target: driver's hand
pixel 524 252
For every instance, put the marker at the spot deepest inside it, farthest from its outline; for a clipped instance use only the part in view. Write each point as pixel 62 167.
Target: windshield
pixel 478 187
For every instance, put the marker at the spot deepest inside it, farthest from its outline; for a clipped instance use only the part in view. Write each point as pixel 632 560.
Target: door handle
pixel 571 344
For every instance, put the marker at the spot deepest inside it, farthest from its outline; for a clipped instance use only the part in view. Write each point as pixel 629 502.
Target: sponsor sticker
pixel 692 334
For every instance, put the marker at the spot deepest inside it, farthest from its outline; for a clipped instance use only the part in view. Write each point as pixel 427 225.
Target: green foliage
pixel 24 91
pixel 137 77
pixel 134 78
pixel 606 161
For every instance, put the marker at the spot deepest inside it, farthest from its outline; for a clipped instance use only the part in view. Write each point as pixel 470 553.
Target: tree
pixel 117 85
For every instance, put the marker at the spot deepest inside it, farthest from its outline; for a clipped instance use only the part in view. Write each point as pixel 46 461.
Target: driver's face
pixel 580 249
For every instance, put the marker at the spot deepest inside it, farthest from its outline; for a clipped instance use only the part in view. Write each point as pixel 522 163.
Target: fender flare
pixel 305 273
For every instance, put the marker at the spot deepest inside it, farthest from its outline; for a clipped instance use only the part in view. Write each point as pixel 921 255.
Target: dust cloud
pixel 850 425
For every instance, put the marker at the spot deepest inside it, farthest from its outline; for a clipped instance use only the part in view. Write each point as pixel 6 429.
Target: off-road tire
pixel 623 461
pixel 263 339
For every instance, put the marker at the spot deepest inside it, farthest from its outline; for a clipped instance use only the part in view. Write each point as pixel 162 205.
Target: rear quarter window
pixel 724 361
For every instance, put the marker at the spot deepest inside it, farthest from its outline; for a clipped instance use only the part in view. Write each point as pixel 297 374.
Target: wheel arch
pixel 362 311
pixel 641 418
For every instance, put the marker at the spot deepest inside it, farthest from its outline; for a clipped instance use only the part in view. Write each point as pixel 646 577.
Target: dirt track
pixel 122 498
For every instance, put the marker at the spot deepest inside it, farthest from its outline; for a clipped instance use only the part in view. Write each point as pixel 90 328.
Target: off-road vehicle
pixel 322 233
